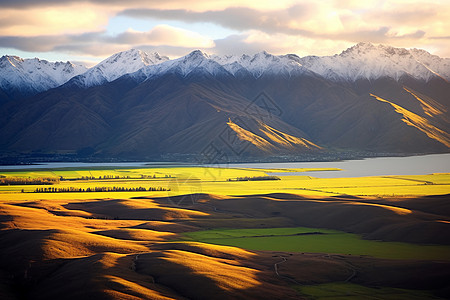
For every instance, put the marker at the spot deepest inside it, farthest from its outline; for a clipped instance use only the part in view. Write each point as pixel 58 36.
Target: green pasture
pixel 350 291
pixel 314 240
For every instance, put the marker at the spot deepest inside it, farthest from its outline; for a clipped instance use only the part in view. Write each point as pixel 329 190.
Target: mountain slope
pixel 20 77
pixel 420 123
pixel 367 61
pixel 24 77
pixel 115 66
pixel 261 64
pixel 238 107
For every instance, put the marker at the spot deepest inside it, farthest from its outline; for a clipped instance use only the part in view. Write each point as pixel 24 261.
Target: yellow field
pixel 184 180
pixel 123 241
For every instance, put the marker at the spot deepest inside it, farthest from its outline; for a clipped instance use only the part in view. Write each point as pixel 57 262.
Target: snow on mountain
pixel 31 76
pixel 261 63
pixel 116 66
pixel 21 77
pixel 198 61
pixel 439 66
pixel 363 60
pixel 367 61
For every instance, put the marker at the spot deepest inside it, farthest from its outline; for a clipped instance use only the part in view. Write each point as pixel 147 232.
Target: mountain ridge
pixel 361 61
pixel 23 77
pixel 367 61
pixel 236 106
pixel 115 66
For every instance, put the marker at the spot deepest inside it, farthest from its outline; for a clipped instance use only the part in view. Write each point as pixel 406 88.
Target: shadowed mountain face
pixel 238 115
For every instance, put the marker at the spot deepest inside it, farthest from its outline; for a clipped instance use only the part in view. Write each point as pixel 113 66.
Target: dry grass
pixel 127 245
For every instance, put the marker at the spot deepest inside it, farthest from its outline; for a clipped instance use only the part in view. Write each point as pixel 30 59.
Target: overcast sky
pixel 92 30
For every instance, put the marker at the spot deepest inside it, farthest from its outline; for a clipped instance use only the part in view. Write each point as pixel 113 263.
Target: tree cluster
pixel 254 178
pixel 115 177
pixel 99 189
pixel 28 180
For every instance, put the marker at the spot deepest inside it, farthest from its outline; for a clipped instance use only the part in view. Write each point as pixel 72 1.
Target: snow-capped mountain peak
pixel 118 65
pixel 439 66
pixel 127 62
pixel 20 77
pixel 196 54
pixel 231 65
pixel 261 63
pixel 368 61
pixel 195 61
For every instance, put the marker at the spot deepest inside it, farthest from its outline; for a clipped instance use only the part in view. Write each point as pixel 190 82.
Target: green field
pixel 313 240
pixel 185 180
pixel 129 217
pixel 350 291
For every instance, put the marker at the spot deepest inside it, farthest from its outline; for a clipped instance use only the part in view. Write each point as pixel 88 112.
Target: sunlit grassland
pixel 204 173
pixel 313 240
pixel 126 222
pixel 184 180
pixel 351 291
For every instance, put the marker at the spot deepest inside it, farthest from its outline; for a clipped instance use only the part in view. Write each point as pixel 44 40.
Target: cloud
pixel 298 20
pixel 306 20
pixel 166 4
pixel 278 44
pixel 410 15
pixel 100 43
pixel 440 37
pixel 399 23
pixel 32 44
pixel 164 35
pixel 67 19
pixel 238 18
pixel 296 26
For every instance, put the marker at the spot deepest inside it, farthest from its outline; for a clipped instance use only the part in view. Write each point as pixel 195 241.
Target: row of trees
pixel 101 177
pixel 154 176
pixel 28 180
pixel 254 178
pixel 115 177
pixel 99 189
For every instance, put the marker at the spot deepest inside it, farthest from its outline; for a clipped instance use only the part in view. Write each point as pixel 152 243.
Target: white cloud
pixel 278 44
pixel 296 26
pixel 169 35
pixel 54 20
pixel 102 44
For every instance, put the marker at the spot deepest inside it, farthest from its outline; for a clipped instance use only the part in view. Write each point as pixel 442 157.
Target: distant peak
pixel 365 45
pixel 128 53
pixel 197 54
pixel 360 47
pixel 12 57
pixel 158 56
pixel 263 53
pixel 369 48
pixel 131 51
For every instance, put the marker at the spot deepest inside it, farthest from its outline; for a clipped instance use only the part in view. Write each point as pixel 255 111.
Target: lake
pixel 411 165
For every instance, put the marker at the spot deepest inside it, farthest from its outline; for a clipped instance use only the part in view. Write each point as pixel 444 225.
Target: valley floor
pixel 203 233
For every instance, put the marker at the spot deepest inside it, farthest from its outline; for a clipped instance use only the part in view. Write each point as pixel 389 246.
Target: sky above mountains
pixel 91 30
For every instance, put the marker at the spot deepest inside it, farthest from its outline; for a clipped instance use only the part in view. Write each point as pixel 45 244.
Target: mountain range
pixel 371 98
pixel 24 77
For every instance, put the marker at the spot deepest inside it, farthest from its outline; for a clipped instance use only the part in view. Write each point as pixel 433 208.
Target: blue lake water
pixel 411 165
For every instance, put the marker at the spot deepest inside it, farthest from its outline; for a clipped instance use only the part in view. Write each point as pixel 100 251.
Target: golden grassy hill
pixel 134 248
